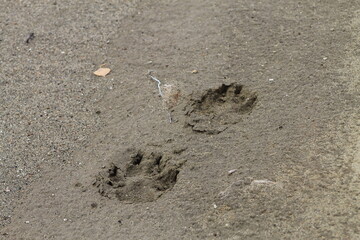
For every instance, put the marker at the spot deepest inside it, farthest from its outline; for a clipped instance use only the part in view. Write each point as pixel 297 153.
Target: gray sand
pixel 275 96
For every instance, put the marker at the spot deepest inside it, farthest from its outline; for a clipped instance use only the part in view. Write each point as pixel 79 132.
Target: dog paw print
pixel 144 178
pixel 213 110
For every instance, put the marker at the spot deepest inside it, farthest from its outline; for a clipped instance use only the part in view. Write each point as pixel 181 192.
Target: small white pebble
pixel 65 219
pixel 7 189
pixel 271 79
pixel 215 206
pixel 27 222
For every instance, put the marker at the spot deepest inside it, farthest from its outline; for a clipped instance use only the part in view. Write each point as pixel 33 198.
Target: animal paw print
pixel 144 178
pixel 211 111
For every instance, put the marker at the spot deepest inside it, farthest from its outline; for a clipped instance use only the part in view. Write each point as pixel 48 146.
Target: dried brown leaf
pixel 102 72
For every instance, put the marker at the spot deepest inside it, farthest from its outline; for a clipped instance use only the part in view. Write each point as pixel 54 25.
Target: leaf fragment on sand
pixel 171 96
pixel 102 72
